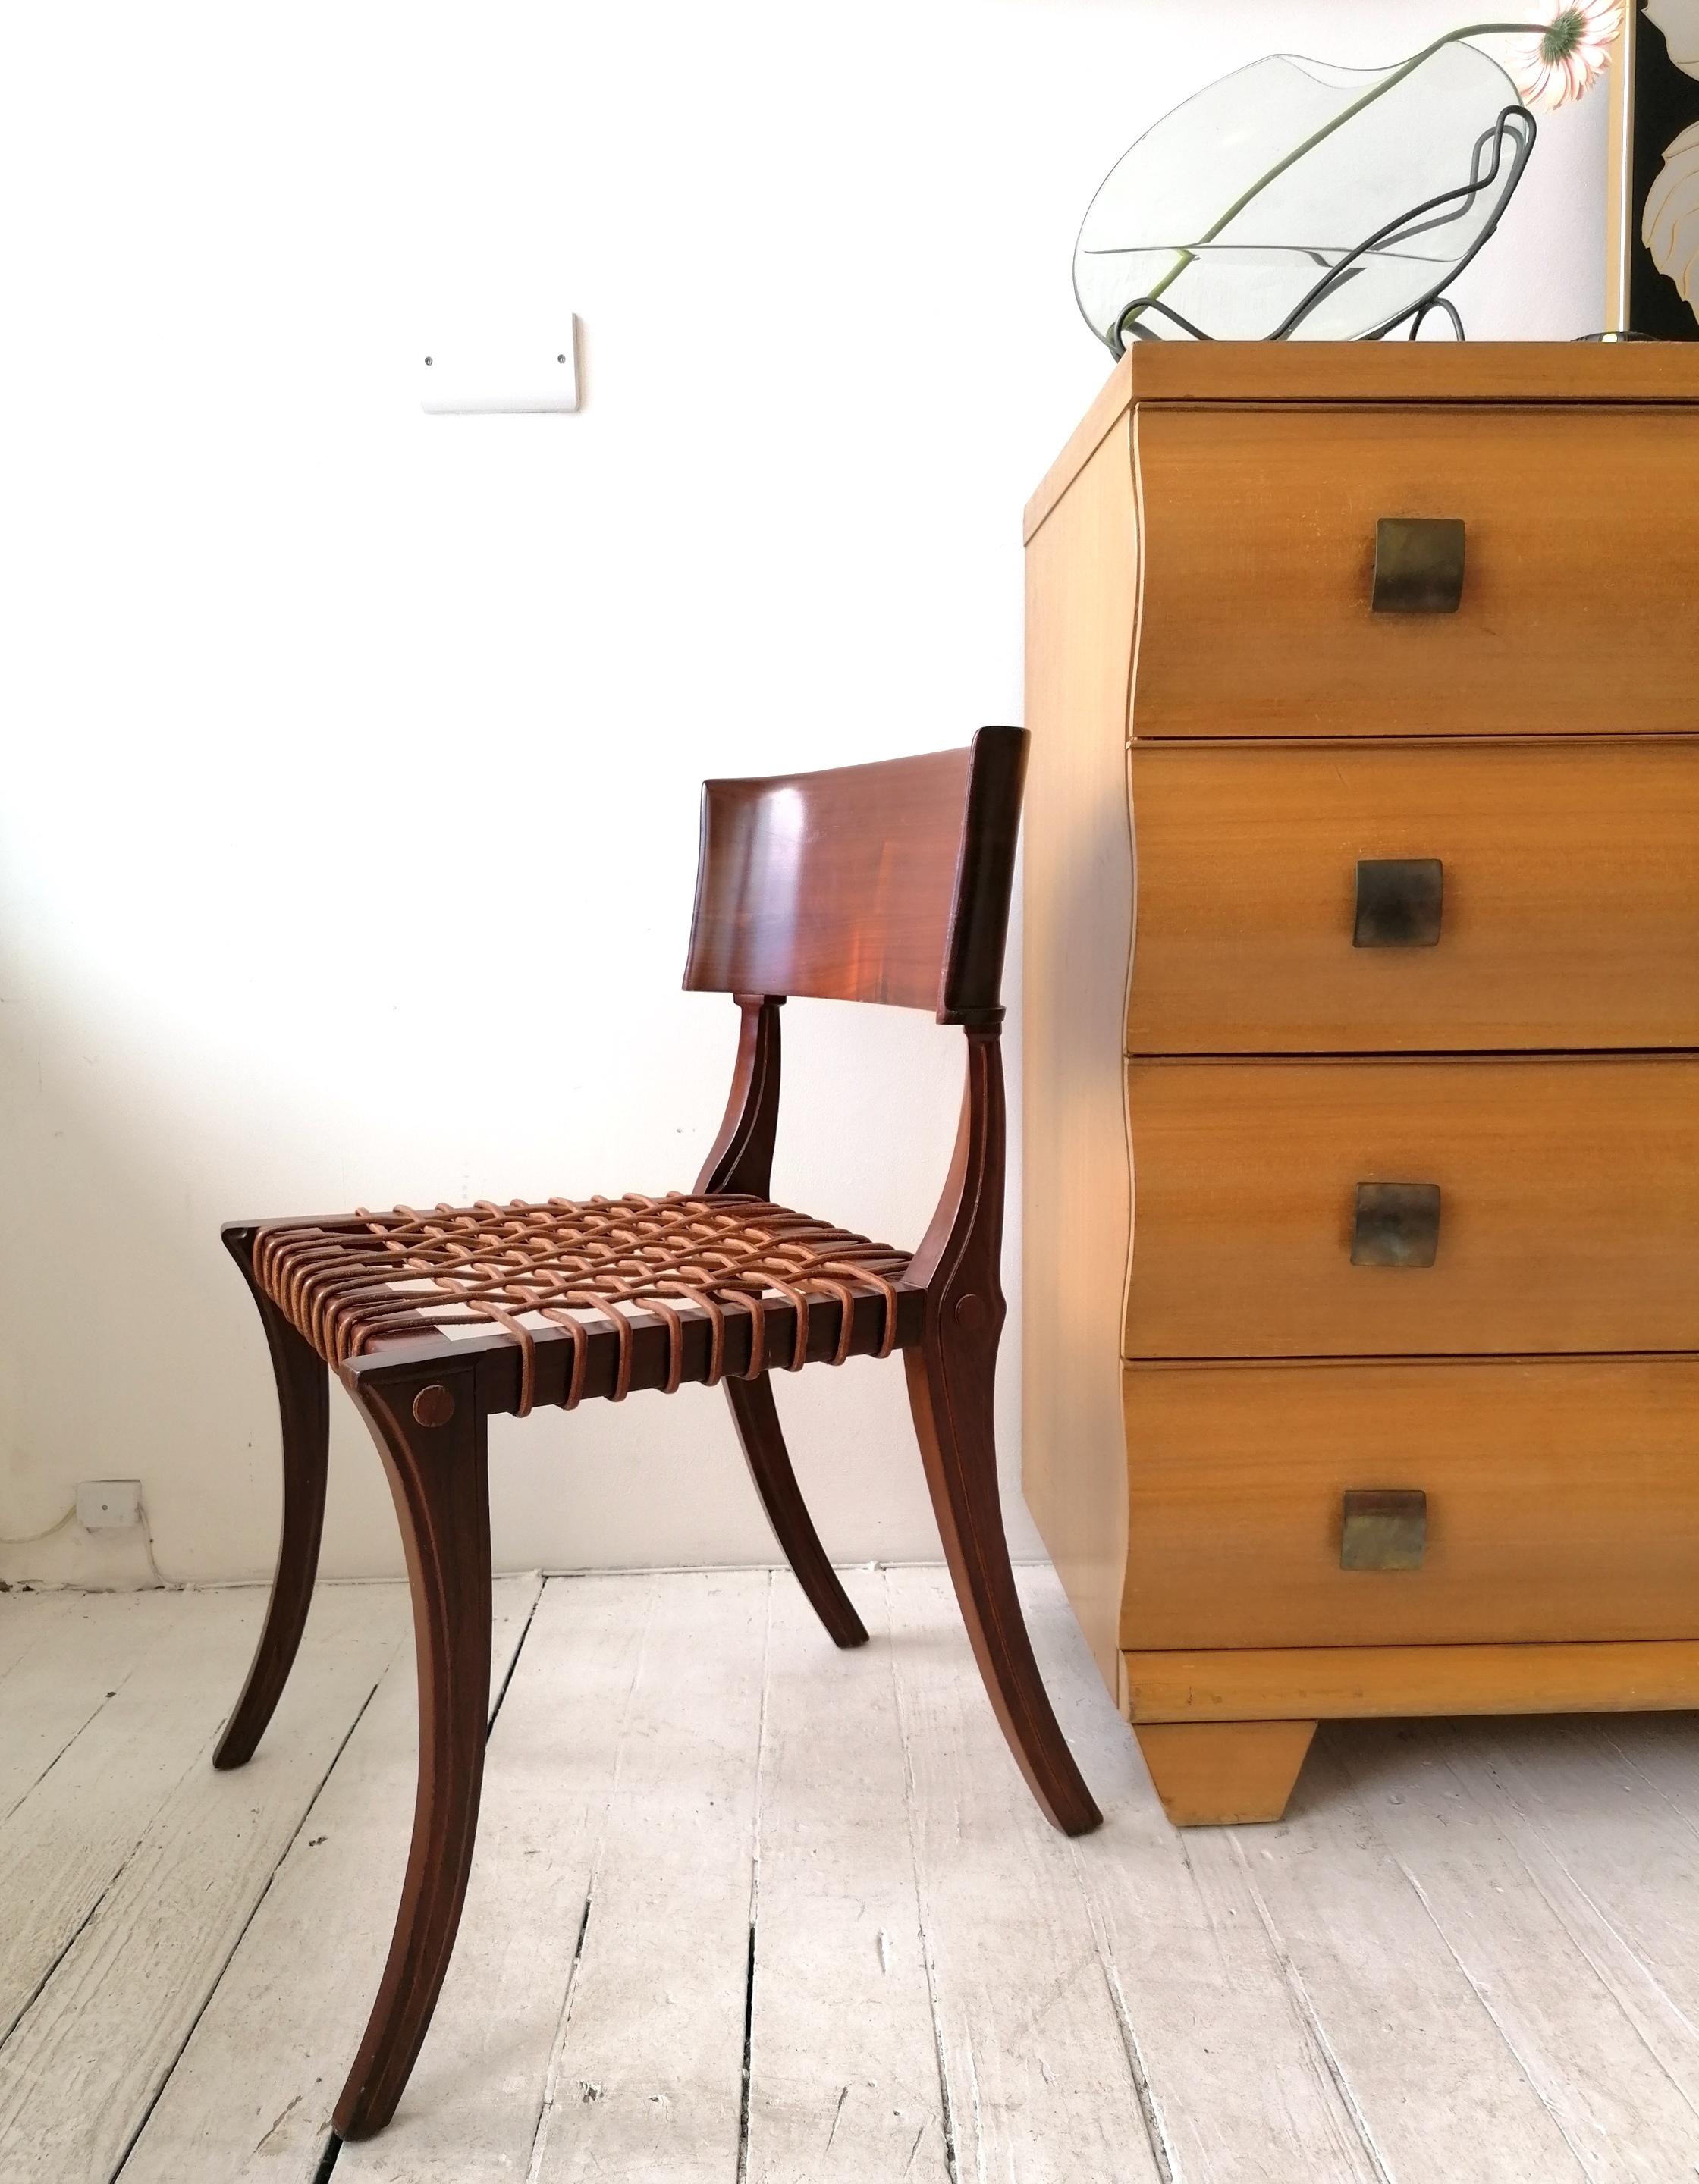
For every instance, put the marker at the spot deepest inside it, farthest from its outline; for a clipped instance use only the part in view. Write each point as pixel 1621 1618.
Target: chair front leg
pixel 431 1433
pixel 952 1384
pixel 303 1412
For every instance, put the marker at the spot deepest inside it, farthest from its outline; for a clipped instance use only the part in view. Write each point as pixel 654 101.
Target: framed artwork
pixel 1652 230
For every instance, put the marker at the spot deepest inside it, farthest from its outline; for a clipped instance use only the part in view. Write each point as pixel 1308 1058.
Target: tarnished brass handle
pixel 1418 565
pixel 1384 1529
pixel 1400 902
pixel 1397 1224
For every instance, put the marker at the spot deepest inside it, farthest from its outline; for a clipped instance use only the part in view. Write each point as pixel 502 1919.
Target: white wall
pixel 347 807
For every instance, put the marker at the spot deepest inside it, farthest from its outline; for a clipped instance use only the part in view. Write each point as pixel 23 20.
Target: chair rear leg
pixel 756 1416
pixel 304 1413
pixel 951 1378
pixel 431 1435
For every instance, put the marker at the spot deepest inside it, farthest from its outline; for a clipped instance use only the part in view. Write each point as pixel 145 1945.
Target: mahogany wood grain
pixel 755 1415
pixel 1563 1502
pixel 885 883
pixel 1571 895
pixel 1335 1682
pixel 952 1381
pixel 302 1382
pixel 1258 548
pixel 1219 1775
pixel 439 1478
pixel 742 1159
pixel 1569 1213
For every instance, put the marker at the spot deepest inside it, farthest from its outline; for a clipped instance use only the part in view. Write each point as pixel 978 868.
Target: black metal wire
pixel 1438 303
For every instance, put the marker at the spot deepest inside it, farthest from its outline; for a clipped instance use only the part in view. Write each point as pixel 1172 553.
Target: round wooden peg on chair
pixel 971 1314
pixel 433 1406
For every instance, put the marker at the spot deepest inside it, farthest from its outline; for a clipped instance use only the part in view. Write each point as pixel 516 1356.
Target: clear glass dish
pixel 1234 207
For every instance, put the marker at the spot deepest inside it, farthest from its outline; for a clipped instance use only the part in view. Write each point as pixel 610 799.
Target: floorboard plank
pixel 1439 2090
pixel 1618 2107
pixel 78 2073
pixel 66 1839
pixel 1039 2083
pixel 70 1653
pixel 250 2096
pixel 1602 1813
pixel 25 1618
pixel 1470 1954
pixel 647 2080
pixel 1238 2083
pixel 844 2075
pixel 471 2114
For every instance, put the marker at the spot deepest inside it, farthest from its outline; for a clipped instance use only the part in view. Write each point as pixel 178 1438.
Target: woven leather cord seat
pixel 351 1285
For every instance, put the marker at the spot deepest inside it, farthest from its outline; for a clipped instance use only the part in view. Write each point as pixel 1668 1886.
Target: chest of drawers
pixel 1362 1041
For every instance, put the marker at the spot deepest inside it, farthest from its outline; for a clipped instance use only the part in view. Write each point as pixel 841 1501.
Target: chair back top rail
pixel 883 882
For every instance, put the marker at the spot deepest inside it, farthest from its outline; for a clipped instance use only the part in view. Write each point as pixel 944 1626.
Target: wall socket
pixel 109 1505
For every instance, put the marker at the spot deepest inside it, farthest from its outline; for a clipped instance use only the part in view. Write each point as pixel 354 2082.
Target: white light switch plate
pixel 519 373
pixel 109 1505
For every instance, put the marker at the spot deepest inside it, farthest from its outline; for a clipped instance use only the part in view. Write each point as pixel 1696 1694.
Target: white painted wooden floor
pixel 748 1910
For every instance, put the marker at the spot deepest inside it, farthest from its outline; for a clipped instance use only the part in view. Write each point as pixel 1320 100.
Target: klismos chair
pixel 886 882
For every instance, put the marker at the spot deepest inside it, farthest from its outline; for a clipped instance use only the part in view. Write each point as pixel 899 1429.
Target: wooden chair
pixel 886 882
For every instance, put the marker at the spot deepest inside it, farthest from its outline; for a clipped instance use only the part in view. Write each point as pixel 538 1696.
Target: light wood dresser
pixel 1362 1041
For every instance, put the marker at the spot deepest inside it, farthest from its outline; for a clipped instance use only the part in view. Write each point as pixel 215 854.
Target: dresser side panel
pixel 1081 585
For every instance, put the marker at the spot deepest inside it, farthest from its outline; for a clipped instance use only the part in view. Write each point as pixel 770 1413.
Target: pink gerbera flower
pixel 1572 52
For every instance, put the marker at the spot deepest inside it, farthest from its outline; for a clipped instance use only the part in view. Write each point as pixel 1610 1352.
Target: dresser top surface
pixel 1371 371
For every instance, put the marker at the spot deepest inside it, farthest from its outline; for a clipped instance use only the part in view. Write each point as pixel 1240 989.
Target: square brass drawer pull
pixel 1384 1529
pixel 1418 565
pixel 1400 902
pixel 1397 1224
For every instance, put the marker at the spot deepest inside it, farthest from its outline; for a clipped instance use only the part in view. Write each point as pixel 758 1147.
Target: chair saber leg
pixel 951 1394
pixel 952 1385
pixel 438 1475
pixel 756 1416
pixel 303 1411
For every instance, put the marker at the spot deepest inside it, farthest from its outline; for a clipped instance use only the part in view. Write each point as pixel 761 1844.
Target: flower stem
pixel 1188 254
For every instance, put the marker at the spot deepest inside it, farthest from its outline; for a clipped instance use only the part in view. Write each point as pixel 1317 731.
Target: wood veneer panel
pixel 1335 1682
pixel 1080 588
pixel 1568 1206
pixel 1378 371
pixel 1219 1775
pixel 1571 910
pixel 1259 543
pixel 1563 1502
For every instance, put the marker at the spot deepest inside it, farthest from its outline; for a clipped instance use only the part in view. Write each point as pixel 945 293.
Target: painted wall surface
pixel 349 807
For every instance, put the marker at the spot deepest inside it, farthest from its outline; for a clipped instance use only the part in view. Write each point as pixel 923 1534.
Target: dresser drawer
pixel 1568 1207
pixel 1258 546
pixel 1562 1501
pixel 1567 912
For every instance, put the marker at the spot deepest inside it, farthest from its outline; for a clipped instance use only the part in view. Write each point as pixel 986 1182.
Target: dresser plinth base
pixel 1224 1733
pixel 1215 1774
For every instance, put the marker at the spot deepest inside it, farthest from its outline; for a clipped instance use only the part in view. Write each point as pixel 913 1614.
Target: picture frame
pixel 1652 284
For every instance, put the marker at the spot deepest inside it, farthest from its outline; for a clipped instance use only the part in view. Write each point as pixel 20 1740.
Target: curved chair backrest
pixel 884 882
